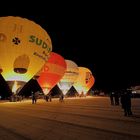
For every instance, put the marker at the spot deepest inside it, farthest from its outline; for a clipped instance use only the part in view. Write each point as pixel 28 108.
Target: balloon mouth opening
pixel 1 70
pixel 16 86
pixel 20 70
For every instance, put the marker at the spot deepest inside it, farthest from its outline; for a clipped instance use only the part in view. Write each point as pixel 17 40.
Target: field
pixel 85 118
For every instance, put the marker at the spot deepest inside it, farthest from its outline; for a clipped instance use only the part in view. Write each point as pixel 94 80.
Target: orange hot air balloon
pixel 84 81
pixel 52 72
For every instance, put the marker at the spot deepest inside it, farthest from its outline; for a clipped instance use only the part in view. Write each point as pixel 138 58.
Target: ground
pixel 85 118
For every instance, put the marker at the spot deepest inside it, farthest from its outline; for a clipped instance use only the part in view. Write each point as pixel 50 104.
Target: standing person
pixel 112 98
pixel 46 98
pixel 34 98
pixel 116 96
pixel 61 98
pixel 50 96
pixel 126 102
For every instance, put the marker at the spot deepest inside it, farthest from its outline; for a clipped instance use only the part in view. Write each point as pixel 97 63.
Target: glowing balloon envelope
pixel 24 48
pixel 52 72
pixel 84 81
pixel 69 77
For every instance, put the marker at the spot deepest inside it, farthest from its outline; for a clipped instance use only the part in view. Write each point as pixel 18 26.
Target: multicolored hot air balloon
pixel 69 77
pixel 24 48
pixel 84 81
pixel 52 72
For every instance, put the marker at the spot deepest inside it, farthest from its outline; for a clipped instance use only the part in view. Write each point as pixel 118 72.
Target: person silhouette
pixel 46 98
pixel 116 96
pixel 61 98
pixel 34 98
pixel 126 102
pixel 112 98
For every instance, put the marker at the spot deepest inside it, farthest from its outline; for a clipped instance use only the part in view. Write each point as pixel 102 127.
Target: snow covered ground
pixel 74 119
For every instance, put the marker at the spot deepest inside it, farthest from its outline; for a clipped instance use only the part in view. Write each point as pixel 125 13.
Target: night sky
pixel 106 45
pixel 106 42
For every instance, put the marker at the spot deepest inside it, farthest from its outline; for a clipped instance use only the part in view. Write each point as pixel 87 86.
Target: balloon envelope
pixel 52 72
pixel 69 77
pixel 84 81
pixel 24 48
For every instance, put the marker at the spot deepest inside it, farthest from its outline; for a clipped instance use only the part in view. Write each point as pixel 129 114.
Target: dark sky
pixel 103 40
pixel 107 44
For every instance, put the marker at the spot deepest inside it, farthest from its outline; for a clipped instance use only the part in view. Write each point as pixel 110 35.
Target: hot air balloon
pixel 84 81
pixel 52 72
pixel 69 77
pixel 24 48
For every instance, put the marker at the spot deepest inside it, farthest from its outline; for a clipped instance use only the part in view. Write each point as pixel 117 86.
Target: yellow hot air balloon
pixel 52 72
pixel 24 48
pixel 69 77
pixel 84 81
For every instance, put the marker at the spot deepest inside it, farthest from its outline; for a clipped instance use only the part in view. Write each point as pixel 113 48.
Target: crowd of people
pixel 34 97
pixel 123 98
pixel 47 97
